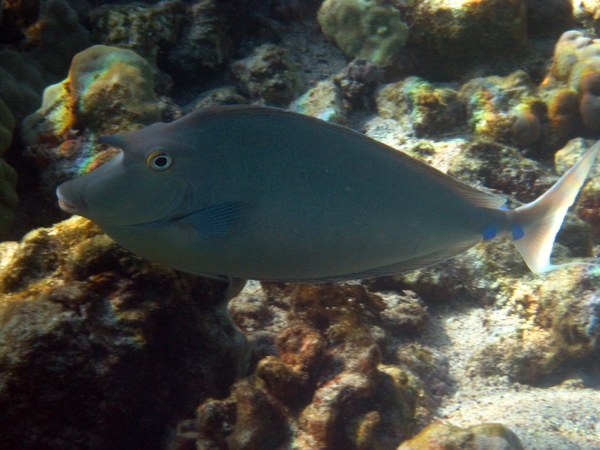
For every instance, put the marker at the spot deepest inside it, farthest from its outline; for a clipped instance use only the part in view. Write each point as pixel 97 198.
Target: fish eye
pixel 159 160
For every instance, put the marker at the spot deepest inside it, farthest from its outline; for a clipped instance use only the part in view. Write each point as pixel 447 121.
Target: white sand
pixel 562 417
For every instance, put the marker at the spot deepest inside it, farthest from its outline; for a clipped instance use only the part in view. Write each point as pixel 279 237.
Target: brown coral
pixel 99 349
pixel 323 385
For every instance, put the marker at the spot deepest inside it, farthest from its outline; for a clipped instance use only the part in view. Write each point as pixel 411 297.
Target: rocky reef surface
pixel 100 349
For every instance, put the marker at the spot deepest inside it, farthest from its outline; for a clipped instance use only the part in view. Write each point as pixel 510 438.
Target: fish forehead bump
pixel 135 139
pixel 137 145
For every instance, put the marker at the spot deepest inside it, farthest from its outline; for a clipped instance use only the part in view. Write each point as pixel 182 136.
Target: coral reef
pixel 573 83
pixel 102 81
pixel 8 197
pixel 135 348
pixel 334 99
pixel 108 90
pixel 323 101
pixel 268 75
pixel 99 349
pixel 548 16
pixel 8 177
pixel 49 32
pixel 21 83
pixel 551 318
pixel 204 45
pixel 505 109
pixel 357 84
pixel 327 372
pixel 557 328
pixel 457 34
pixel 488 436
pixel 225 95
pixel 588 203
pixel 279 9
pixel 7 126
pixel 145 29
pixel 430 110
pixel 366 29
pixel 493 166
pixel 183 40
pixel 56 36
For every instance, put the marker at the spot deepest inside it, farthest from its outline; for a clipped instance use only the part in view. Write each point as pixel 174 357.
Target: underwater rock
pixel 549 16
pixel 204 44
pixel 506 109
pixel 147 29
pixel 323 101
pixel 575 71
pixel 184 40
pixel 56 37
pixel 268 76
pixel 357 84
pixel 8 177
pixel 495 166
pixel 108 90
pixel 457 34
pixel 284 10
pixel 430 110
pixel 405 313
pixel 366 29
pixel 440 436
pixel 225 95
pixel 21 83
pixel 7 126
pixel 586 13
pixel 548 322
pixel 102 82
pixel 15 17
pixel 327 372
pixel 588 202
pixel 48 33
pixel 99 349
pixel 293 9
pixel 8 197
pixel 557 328
pixel 563 113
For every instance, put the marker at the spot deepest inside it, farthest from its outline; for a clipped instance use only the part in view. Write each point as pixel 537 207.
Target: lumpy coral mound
pixel 99 349
pixel 328 371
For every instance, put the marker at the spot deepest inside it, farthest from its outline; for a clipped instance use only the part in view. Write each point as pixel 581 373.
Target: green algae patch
pixel 364 28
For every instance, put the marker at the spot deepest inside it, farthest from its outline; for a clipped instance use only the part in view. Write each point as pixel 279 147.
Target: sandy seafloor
pixel 559 417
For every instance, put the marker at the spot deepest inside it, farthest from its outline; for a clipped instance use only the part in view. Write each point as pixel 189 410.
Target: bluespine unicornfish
pixel 260 193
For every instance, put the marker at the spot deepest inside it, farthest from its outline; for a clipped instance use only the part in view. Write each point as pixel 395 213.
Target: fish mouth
pixel 67 205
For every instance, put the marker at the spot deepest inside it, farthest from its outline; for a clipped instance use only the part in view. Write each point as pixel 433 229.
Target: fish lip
pixel 68 206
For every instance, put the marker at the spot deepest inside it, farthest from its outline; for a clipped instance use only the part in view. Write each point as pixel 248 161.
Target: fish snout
pixel 70 198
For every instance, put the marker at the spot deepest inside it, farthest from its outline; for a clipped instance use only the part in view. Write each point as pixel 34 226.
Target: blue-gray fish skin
pixel 260 193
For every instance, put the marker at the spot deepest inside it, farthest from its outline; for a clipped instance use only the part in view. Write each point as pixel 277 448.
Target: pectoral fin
pixel 213 222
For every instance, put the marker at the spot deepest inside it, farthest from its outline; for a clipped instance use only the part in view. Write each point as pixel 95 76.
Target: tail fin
pixel 536 224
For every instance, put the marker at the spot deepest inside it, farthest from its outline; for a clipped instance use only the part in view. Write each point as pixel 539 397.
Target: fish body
pixel 260 193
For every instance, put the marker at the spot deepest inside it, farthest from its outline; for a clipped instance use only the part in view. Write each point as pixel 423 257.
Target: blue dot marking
pixel 490 232
pixel 517 232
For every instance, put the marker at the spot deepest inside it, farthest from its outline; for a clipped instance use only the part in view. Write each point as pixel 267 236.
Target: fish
pixel 254 192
